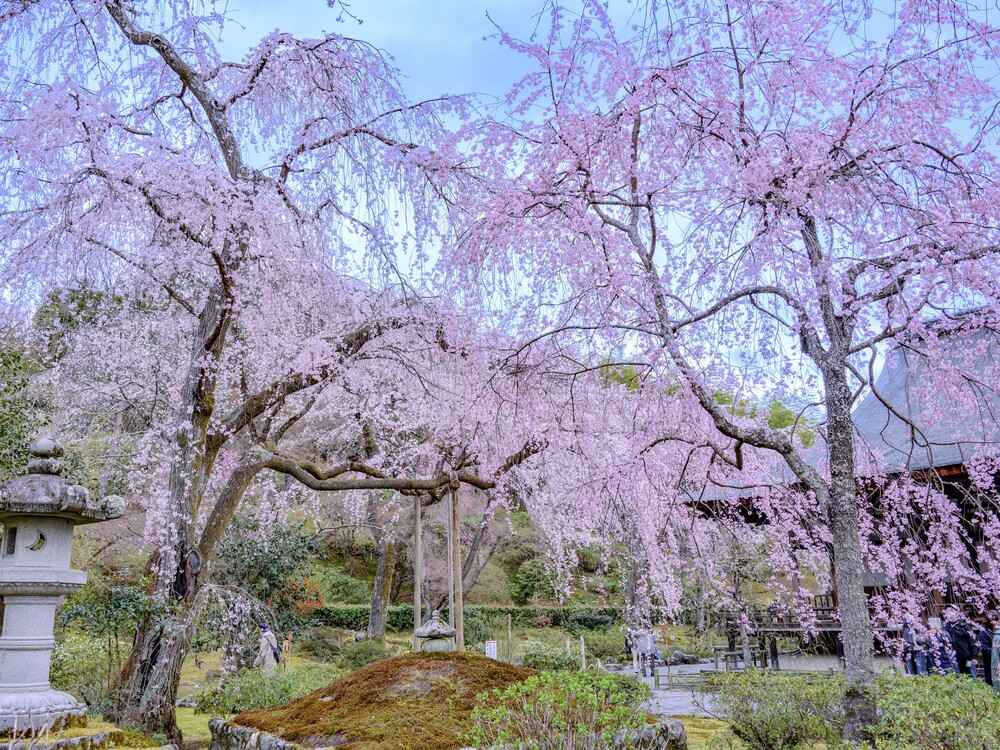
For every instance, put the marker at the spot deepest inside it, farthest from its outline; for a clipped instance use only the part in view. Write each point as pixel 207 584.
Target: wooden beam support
pixel 458 616
pixel 418 565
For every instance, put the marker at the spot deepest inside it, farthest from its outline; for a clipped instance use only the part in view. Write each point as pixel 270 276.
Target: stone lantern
pixel 435 636
pixel 38 512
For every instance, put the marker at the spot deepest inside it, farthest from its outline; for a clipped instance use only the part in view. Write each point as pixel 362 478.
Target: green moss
pixel 87 726
pixel 412 702
pixel 702 730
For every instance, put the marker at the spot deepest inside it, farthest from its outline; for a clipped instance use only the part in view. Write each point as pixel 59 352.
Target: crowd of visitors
pixel 958 646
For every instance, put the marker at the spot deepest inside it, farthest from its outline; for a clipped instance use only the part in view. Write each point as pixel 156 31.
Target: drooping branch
pixel 214 111
pixel 273 394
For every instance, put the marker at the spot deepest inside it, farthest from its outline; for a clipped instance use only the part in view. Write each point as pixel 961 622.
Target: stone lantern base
pixel 24 713
pixel 437 645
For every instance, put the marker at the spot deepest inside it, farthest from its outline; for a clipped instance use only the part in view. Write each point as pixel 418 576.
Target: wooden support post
pixel 418 566
pixel 510 641
pixel 451 561
pixel 583 653
pixel 458 619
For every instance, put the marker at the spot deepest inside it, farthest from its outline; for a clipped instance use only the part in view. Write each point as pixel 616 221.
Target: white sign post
pixel 491 649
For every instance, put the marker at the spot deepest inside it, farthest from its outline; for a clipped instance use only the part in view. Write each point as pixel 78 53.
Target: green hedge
pixel 400 617
pixel 781 711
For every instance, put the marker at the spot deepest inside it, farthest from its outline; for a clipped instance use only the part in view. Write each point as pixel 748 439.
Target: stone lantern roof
pixel 44 492
pixel 434 628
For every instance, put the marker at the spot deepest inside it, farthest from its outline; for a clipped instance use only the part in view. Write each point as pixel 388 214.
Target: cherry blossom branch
pixel 214 111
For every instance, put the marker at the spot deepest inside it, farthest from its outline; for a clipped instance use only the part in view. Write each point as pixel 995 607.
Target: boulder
pixel 669 734
pixel 226 736
pixel 679 657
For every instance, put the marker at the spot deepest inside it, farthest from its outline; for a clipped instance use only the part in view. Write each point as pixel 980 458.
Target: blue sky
pixel 438 45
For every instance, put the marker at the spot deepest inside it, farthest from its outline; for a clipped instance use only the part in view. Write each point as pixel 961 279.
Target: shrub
pixel 323 643
pixel 555 710
pixel 605 644
pixel 105 611
pixel 936 713
pixel 588 559
pixel 773 711
pixel 336 586
pixel 20 418
pixel 541 656
pixel 531 579
pixel 357 654
pixel 400 616
pixel 577 622
pixel 482 626
pixel 251 689
pixel 266 561
pixel 84 666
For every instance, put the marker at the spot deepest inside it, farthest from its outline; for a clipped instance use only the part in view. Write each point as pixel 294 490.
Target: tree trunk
pixel 699 617
pixel 848 563
pixel 151 675
pixel 401 573
pixel 637 605
pixel 745 643
pixel 381 588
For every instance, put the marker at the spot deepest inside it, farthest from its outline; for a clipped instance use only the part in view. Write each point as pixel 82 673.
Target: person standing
pixel 268 653
pixel 962 641
pixel 914 650
pixel 984 641
pixel 942 654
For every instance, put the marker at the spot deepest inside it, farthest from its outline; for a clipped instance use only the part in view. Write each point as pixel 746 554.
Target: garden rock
pixel 97 741
pixel 679 657
pixel 669 734
pixel 226 736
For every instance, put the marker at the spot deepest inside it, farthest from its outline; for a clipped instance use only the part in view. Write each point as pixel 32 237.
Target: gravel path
pixel 673 701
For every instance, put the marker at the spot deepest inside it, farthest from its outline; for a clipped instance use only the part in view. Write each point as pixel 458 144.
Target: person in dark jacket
pixel 963 643
pixel 984 640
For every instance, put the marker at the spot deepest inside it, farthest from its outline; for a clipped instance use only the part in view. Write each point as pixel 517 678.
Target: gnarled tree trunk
pixel 150 677
pixel 152 673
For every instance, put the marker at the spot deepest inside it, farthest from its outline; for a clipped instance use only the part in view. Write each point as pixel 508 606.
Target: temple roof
pixel 918 416
pixel 953 416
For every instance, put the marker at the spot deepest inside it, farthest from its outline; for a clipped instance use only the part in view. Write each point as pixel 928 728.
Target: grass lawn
pixel 205 670
pixel 194 727
pixel 198 674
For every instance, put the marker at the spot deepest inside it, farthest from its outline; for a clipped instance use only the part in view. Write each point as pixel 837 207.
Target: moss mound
pixel 415 702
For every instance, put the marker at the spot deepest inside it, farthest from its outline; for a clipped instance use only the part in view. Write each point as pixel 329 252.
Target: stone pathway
pixel 682 700
pixel 675 701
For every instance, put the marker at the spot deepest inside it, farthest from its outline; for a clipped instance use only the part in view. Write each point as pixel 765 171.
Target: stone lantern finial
pixel 38 512
pixel 45 454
